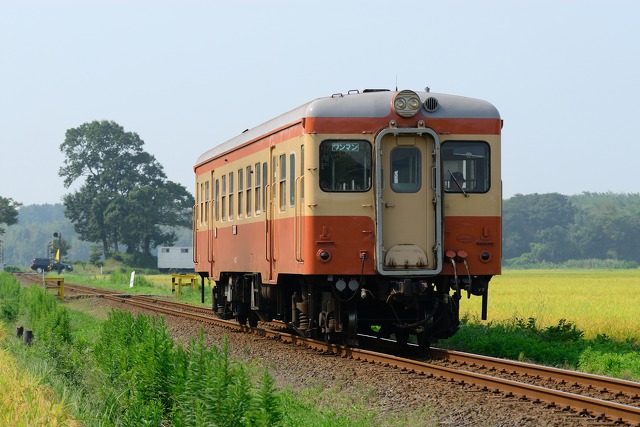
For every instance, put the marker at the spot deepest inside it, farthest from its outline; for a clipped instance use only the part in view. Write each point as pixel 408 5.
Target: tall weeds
pixel 193 387
pixel 135 374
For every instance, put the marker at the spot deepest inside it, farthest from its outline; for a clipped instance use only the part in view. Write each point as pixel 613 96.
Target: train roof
pixel 369 103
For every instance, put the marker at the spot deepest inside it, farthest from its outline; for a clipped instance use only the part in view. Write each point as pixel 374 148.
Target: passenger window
pixel 345 165
pixel 240 192
pixel 217 201
pixel 283 181
pixel 249 189
pixel 206 203
pixel 292 179
pixel 265 182
pixel 466 166
pixel 406 170
pixel 230 196
pixel 224 197
pixel 258 189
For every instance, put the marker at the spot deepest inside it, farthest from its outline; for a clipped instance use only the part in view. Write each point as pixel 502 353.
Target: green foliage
pixel 551 228
pixel 9 297
pixel 8 212
pixel 527 261
pixel 538 218
pixel 136 355
pixel 212 386
pixel 193 387
pixel 125 197
pixel 51 326
pixel 621 363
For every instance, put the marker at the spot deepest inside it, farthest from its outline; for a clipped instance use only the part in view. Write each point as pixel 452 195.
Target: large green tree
pixel 8 212
pixel 124 196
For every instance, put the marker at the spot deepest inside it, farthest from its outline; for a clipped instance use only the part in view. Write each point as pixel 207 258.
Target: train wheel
pixel 242 318
pixel 352 326
pixel 402 337
pixel 424 340
pixel 253 319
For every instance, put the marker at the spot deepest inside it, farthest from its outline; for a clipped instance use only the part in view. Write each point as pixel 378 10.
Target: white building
pixel 175 258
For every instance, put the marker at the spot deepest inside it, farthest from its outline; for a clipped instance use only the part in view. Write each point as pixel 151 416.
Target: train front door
pixel 409 229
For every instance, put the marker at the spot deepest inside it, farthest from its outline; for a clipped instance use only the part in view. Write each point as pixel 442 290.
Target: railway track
pixel 605 400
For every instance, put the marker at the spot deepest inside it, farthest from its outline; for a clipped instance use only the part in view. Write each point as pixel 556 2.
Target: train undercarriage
pixel 342 309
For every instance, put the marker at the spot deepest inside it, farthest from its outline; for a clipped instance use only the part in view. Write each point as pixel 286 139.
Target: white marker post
pixel 133 275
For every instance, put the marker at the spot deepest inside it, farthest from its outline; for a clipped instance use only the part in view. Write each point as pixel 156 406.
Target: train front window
pixel 466 166
pixel 406 170
pixel 345 165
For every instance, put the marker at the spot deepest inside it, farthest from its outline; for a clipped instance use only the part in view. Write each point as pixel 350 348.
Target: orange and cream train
pixel 369 212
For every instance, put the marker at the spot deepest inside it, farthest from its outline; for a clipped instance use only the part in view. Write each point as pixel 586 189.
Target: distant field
pixel 596 301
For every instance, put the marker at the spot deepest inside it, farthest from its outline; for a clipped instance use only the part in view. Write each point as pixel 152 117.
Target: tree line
pixel 553 228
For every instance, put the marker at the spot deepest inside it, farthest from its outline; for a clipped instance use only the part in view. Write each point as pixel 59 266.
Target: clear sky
pixel 188 75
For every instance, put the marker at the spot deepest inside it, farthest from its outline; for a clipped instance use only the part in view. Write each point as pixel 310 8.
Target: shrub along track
pixel 457 388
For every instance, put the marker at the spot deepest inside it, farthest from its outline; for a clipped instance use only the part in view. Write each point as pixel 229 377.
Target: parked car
pixel 42 264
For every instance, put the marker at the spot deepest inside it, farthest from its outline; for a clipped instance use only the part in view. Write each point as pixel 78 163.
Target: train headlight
pixel 407 103
pixel 323 255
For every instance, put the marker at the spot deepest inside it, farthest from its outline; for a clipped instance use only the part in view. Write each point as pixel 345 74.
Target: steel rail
pixel 607 384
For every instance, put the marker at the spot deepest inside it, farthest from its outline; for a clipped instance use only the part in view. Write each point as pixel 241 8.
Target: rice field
pixel 598 302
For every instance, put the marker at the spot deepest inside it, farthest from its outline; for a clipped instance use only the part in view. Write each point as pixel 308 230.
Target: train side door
pixel 409 230
pixel 270 196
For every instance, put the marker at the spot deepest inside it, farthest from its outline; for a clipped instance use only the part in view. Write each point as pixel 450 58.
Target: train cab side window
pixel 466 166
pixel 406 170
pixel 345 165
